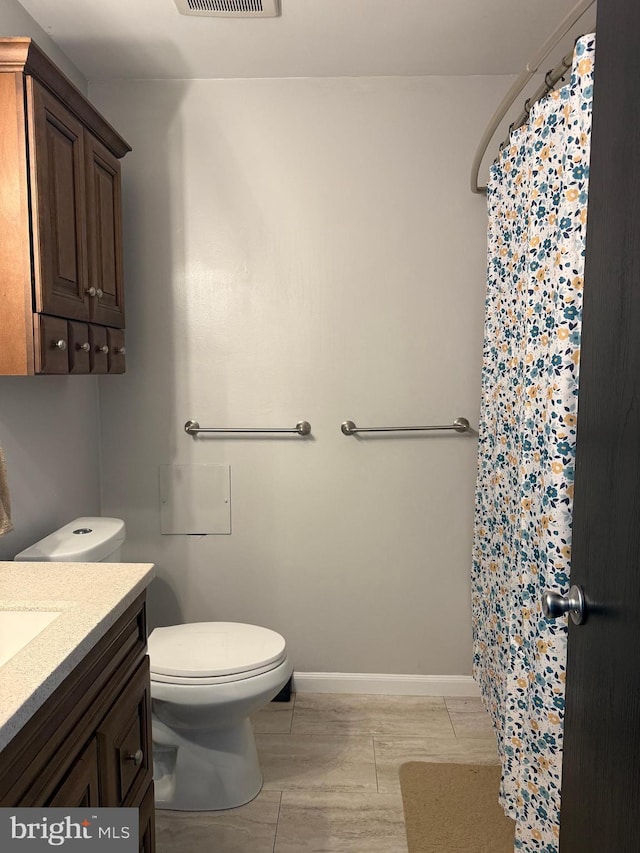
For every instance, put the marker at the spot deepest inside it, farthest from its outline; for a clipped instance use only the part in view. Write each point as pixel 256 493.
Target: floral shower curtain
pixel 537 201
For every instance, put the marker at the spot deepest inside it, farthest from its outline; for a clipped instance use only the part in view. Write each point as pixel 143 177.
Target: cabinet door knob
pixel 121 351
pixel 91 291
pixel 99 293
pixel 104 349
pixel 59 344
pixel 86 347
pixel 137 757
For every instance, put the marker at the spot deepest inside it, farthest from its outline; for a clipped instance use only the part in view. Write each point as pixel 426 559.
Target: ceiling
pixel 116 39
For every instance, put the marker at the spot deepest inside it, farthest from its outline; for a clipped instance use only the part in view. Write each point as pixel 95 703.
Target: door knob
pixel 555 605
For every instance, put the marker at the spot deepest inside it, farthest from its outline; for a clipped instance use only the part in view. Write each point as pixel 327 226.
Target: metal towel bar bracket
pixel 193 428
pixel 459 425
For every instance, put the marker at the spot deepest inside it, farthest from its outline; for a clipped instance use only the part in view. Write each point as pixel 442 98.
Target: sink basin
pixel 19 627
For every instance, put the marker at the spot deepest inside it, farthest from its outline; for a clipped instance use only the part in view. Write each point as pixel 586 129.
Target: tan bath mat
pixel 453 808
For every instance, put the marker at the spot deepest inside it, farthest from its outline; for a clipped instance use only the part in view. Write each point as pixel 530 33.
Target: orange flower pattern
pixel 537 202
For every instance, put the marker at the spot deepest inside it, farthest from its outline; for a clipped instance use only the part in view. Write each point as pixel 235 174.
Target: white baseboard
pixel 389 685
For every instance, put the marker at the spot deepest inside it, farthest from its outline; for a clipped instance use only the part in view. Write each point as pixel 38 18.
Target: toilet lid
pixel 205 649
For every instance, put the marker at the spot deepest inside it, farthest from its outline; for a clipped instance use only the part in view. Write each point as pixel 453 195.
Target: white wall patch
pixel 195 499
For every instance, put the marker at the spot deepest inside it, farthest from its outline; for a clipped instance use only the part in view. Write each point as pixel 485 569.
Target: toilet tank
pixel 84 540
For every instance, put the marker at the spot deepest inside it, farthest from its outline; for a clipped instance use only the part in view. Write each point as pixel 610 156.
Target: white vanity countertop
pixel 90 598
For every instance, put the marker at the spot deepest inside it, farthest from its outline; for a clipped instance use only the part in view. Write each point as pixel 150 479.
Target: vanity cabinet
pixel 90 742
pixel 61 208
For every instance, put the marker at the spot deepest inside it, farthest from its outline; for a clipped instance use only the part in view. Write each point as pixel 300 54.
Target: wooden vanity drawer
pixel 123 736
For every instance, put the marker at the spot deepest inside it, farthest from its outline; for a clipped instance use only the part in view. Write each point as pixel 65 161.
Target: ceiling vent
pixel 229 8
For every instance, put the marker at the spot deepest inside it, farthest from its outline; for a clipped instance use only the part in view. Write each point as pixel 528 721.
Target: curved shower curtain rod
pixel 532 67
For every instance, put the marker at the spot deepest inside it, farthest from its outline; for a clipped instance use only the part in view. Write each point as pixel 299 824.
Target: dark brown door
pixel 123 736
pixel 56 159
pixel 601 760
pixel 104 231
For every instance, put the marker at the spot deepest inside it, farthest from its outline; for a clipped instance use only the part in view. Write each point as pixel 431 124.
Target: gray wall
pixel 294 249
pixel 49 426
pixel 306 248
pixel 16 21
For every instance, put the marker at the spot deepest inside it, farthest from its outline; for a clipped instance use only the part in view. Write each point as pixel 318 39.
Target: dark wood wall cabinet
pixel 90 742
pixel 61 287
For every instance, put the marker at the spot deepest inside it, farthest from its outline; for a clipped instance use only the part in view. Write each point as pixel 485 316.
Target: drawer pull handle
pixel 121 351
pixel 59 344
pixel 104 349
pixel 137 757
pixel 86 347
pixel 99 293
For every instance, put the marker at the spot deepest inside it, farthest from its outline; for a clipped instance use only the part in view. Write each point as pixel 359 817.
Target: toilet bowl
pixel 206 679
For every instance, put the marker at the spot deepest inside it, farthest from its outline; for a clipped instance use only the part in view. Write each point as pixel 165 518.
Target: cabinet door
pixel 56 159
pixel 104 232
pixel 124 742
pixel 81 786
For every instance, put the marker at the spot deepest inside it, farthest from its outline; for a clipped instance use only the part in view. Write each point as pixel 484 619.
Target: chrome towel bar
pixel 459 425
pixel 193 428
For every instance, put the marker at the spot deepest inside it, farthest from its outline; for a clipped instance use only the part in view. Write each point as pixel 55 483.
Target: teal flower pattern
pixel 537 203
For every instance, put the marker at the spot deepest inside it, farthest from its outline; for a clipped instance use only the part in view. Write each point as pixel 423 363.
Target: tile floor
pixel 330 765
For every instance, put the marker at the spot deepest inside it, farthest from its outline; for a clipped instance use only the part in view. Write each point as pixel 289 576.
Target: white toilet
pixel 206 679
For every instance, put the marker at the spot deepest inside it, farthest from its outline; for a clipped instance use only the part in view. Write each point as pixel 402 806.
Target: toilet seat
pixel 203 653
